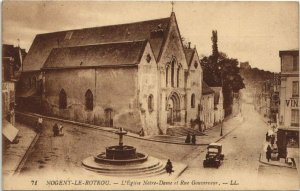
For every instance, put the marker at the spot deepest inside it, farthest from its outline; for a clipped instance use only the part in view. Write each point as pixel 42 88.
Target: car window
pixel 213 150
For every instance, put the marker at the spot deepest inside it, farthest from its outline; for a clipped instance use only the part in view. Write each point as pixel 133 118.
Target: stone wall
pixel 114 96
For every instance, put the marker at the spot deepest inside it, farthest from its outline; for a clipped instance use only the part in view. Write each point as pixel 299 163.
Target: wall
pixel 287 63
pixel 148 85
pixel 112 88
pixel 173 48
pixel 286 98
pixel 207 113
pixel 195 87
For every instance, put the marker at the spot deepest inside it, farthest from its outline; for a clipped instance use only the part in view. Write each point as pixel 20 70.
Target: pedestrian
pixel 60 128
pixel 193 139
pixel 39 125
pixel 142 133
pixel 55 130
pixel 272 140
pixel 188 138
pixel 268 153
pixel 169 167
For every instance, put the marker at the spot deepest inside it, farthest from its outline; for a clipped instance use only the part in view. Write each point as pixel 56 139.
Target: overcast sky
pixel 248 31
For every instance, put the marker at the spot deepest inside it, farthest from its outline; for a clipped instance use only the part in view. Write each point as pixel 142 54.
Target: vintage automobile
pixel 214 155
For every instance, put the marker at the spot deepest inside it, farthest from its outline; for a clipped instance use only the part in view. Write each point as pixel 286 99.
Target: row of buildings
pixel 11 62
pixel 136 76
pixel 277 100
pixel 266 98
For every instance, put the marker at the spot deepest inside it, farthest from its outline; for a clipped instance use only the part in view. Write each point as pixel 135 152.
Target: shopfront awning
pixel 9 131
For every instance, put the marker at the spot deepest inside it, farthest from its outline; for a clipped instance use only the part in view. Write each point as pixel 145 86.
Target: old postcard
pixel 150 95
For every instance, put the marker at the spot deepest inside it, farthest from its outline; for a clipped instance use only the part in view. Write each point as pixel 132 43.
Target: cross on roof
pixel 172 2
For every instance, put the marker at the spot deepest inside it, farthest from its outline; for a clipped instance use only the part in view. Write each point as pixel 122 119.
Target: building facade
pixel 10 63
pixel 218 104
pixel 207 113
pixel 136 75
pixel 288 134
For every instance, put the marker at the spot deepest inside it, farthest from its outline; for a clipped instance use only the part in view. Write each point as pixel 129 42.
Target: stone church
pixel 136 76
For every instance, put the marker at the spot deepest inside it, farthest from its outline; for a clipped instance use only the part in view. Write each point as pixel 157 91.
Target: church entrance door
pixel 173 114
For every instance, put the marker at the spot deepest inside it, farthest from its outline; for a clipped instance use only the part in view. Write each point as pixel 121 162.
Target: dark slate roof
pixel 217 94
pixel 189 53
pixel 206 89
pixel 112 54
pixel 154 30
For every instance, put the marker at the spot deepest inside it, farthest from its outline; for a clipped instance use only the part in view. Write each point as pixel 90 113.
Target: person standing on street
pixel 193 139
pixel 268 153
pixel 169 167
pixel 188 138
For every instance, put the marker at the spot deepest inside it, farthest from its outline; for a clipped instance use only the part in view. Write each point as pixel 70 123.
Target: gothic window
pixel 172 72
pixel 167 76
pixel 193 101
pixel 150 103
pixel 62 99
pixel 178 73
pixel 89 100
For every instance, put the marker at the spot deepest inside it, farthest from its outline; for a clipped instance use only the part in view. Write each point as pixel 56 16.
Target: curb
pixel 270 164
pixel 111 131
pixel 26 155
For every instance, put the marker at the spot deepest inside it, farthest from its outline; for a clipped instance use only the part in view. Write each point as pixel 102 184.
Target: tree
pixel 219 64
pixel 215 51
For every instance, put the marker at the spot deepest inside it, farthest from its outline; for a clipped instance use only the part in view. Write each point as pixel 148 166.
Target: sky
pixel 248 31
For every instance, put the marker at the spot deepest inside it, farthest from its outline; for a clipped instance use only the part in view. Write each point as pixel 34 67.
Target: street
pixel 242 150
pixel 240 169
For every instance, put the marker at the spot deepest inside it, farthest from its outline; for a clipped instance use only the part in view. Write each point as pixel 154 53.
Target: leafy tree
pixel 218 67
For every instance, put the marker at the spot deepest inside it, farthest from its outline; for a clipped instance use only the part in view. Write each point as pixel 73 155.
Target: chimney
pixel 189 45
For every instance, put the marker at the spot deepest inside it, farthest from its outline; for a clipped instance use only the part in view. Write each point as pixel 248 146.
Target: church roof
pixel 217 91
pixel 112 54
pixel 155 31
pixel 206 89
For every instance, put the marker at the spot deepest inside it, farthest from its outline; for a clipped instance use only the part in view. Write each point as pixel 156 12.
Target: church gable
pixel 173 47
pixel 194 62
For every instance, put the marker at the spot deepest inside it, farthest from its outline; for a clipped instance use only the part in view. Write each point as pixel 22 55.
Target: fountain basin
pixel 138 158
pixel 120 152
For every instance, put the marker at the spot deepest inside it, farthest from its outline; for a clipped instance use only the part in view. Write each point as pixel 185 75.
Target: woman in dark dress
pixel 268 153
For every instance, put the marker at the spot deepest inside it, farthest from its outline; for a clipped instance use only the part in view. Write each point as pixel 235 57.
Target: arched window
pixel 62 99
pixel 150 103
pixel 178 73
pixel 193 101
pixel 167 75
pixel 89 100
pixel 172 72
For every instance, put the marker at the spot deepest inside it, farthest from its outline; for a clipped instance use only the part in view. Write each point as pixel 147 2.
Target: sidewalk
pixel 263 159
pixel 15 155
pixel 211 135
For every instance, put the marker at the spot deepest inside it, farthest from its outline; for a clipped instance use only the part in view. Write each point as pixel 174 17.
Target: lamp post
pixel 221 69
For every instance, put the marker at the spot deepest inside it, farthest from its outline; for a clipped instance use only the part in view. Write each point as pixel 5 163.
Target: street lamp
pixel 221 69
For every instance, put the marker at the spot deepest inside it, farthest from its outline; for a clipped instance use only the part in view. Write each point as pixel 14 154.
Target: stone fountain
pixel 121 154
pixel 123 160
